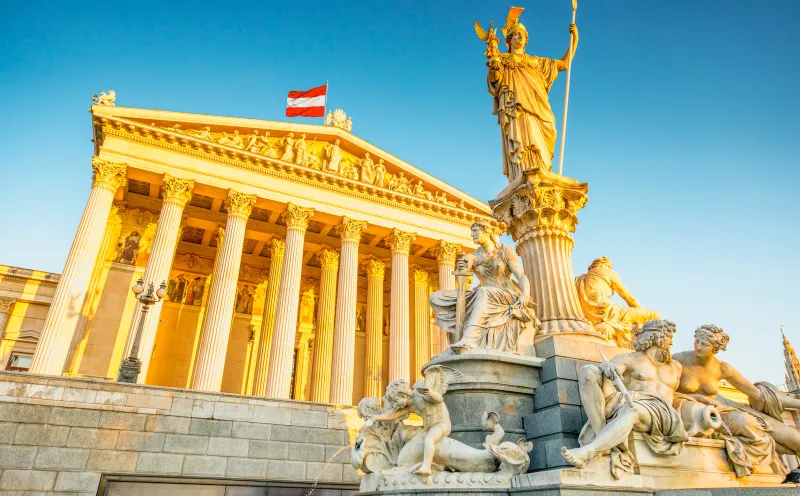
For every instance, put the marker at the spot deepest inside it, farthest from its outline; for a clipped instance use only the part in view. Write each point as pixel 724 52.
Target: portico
pixel 275 268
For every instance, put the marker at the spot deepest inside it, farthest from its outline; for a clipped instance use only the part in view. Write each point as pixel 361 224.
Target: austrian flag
pixel 309 103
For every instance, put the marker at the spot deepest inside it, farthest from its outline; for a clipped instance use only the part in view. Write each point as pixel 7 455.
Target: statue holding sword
pixel 632 392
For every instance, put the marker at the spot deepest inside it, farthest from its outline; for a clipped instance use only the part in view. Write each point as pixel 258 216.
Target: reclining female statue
pixel 756 435
pixel 498 310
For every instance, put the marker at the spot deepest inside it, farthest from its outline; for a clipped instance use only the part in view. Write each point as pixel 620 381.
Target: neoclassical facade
pixel 298 259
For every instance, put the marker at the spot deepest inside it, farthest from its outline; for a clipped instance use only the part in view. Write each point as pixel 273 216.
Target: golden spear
pixel 566 94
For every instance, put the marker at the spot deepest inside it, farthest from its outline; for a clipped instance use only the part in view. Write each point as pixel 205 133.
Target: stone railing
pixel 61 434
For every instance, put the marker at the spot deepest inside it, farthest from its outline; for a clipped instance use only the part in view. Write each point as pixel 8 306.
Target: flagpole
pixel 566 94
pixel 325 107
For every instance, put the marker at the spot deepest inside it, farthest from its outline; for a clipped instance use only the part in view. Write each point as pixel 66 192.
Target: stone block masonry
pixel 84 429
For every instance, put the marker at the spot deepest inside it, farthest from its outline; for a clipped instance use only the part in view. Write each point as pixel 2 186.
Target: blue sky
pixel 683 120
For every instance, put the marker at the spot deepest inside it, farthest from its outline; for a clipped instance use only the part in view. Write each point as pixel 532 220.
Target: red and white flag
pixel 309 103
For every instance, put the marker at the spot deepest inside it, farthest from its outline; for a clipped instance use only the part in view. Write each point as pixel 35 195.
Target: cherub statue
pixel 234 140
pixel 427 401
pixel 105 98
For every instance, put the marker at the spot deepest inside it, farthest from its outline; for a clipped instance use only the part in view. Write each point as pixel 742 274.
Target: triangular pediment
pixel 327 153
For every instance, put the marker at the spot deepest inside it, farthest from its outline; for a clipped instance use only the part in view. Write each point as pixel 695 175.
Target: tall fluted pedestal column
pixel 446 254
pixel 6 307
pixel 59 327
pixel 280 360
pixel 422 321
pixel 277 249
pixel 177 193
pixel 323 341
pixel 344 335
pixel 399 353
pixel 540 218
pixel 373 368
pixel 221 299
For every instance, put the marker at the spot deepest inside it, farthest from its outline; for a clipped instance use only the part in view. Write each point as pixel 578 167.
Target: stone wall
pixel 61 434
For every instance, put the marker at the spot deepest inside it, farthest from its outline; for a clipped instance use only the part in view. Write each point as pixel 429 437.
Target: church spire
pixel 792 366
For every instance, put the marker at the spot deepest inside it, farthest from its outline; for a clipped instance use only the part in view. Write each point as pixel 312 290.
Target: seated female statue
pixel 755 435
pixel 496 311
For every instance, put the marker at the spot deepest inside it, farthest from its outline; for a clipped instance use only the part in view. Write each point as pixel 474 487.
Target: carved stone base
pixel 502 383
pixel 129 370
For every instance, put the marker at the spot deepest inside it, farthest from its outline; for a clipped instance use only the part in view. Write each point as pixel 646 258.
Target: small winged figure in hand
pixel 490 37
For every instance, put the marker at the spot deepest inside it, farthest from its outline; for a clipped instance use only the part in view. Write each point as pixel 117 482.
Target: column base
pixel 486 382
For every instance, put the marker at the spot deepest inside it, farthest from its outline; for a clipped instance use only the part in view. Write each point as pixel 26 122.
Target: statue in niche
pixel 300 147
pixel 595 289
pixel 288 148
pixel 244 300
pixel 367 169
pixel 333 156
pixel 176 289
pixel 632 392
pixel 421 192
pixel 105 98
pixel 499 309
pixel 519 84
pixel 234 140
pixel 129 248
pixel 400 183
pixel 755 435
pixel 194 293
pixel 380 174
pixel 384 443
pixel 204 134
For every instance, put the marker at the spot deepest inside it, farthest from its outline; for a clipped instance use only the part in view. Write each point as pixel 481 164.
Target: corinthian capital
pixel 239 204
pixel 446 252
pixel 297 217
pixel 420 275
pixel 219 235
pixel 108 175
pixel 328 257
pixel 400 242
pixel 277 247
pixel 115 216
pixel 375 267
pixel 350 230
pixel 177 190
pixel 6 304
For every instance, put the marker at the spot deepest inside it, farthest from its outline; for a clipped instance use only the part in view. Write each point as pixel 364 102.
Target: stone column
pixel 222 295
pixel 540 219
pixel 277 248
pixel 422 321
pixel 373 367
pixel 323 341
pixel 280 359
pixel 344 335
pixel 399 349
pixel 301 366
pixel 65 310
pixel 177 193
pixel 305 329
pixel 6 307
pixel 446 254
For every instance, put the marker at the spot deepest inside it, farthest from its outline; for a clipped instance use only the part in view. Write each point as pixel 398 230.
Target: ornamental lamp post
pixel 130 367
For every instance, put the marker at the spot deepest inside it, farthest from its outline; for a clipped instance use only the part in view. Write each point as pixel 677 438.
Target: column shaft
pixel 268 319
pixel 373 367
pixel 323 341
pixel 280 359
pixel 399 353
pixel 344 338
pixel 177 193
pixel 422 321
pixel 62 318
pixel 219 312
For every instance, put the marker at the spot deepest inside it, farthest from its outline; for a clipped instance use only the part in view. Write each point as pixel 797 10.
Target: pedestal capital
pixel 446 252
pixel 277 247
pixel 6 304
pixel 177 190
pixel 297 217
pixel 239 204
pixel 548 202
pixel 400 241
pixel 108 175
pixel 375 267
pixel 328 257
pixel 420 275
pixel 350 230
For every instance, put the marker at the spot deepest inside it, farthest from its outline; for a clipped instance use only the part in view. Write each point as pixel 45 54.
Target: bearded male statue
pixel 633 392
